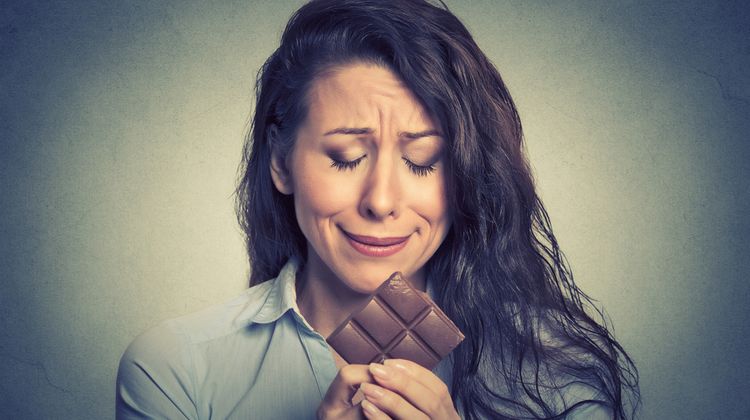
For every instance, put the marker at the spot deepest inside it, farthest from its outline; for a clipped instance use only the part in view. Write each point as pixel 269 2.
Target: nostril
pixel 379 213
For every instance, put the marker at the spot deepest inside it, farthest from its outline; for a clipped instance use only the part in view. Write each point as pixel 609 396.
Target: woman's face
pixel 368 178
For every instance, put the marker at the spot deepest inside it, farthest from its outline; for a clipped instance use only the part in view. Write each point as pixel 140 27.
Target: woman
pixel 384 140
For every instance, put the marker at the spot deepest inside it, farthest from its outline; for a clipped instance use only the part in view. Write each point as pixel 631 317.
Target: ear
pixel 280 174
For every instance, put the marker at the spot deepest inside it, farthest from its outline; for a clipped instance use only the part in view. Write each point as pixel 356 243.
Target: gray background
pixel 122 121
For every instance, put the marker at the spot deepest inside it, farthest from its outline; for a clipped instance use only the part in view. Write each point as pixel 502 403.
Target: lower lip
pixel 375 250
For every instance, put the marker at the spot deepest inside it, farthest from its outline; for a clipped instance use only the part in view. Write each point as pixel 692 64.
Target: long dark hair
pixel 499 274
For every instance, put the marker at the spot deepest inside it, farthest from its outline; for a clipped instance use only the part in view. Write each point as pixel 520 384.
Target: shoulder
pixel 177 335
pixel 156 374
pixel 582 361
pixel 222 319
pixel 589 411
pixel 154 378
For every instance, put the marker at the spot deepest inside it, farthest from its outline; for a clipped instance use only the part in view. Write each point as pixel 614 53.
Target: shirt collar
pixel 282 295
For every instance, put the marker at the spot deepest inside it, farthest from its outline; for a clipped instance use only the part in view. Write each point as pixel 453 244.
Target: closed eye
pixel 343 165
pixel 419 170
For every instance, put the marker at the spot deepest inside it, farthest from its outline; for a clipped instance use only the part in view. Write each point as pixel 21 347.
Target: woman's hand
pixel 406 390
pixel 337 404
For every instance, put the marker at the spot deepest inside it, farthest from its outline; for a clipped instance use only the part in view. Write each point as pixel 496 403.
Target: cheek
pixel 431 201
pixel 319 190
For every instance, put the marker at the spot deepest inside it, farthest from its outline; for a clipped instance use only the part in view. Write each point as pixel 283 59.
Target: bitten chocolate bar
pixel 397 322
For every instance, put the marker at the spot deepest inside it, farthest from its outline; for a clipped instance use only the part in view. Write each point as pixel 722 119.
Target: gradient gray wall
pixel 121 127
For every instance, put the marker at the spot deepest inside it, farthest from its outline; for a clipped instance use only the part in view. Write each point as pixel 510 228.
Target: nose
pixel 381 196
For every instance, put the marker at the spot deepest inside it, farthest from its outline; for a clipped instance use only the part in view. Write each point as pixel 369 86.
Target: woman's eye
pixel 343 165
pixel 419 170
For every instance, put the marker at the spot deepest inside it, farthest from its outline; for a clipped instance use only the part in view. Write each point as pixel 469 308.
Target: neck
pixel 324 301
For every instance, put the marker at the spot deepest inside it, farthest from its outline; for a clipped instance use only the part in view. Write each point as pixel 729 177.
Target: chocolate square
pixel 396 322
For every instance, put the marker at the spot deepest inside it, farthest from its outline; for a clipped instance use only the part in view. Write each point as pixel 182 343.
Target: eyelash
pixel 343 165
pixel 418 170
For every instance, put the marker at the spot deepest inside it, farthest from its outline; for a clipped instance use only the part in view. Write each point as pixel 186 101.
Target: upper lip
pixel 372 240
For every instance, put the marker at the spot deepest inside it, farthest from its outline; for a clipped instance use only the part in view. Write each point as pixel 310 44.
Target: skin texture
pixel 368 160
pixel 379 183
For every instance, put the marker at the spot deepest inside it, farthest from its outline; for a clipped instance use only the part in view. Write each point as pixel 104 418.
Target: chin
pixel 366 279
pixel 367 284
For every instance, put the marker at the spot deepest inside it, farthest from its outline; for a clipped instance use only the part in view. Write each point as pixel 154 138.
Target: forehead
pixel 362 93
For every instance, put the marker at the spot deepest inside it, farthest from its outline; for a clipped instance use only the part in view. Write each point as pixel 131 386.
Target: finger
pixel 420 374
pixel 372 412
pixel 391 403
pixel 401 381
pixel 344 386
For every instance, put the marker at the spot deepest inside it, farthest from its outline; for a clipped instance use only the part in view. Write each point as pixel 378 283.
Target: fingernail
pixel 369 408
pixel 379 370
pixel 372 391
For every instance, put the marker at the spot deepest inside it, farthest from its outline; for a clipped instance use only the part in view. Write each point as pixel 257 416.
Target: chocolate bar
pixel 397 322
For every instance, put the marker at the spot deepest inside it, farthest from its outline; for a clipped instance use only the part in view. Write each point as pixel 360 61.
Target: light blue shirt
pixel 254 357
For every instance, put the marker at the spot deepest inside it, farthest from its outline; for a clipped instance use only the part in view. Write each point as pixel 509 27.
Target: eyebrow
pixel 346 130
pixel 367 130
pixel 420 134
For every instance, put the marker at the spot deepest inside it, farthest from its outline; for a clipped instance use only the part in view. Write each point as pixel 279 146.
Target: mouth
pixel 376 247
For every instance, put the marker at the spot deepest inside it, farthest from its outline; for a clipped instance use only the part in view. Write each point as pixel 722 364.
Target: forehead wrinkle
pixel 347 100
pixel 412 120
